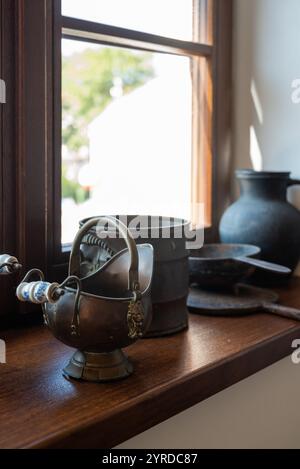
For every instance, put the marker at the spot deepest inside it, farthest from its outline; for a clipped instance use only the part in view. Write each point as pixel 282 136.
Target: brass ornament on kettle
pixel 101 312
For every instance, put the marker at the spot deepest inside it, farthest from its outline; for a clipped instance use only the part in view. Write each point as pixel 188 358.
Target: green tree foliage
pixel 72 189
pixel 88 78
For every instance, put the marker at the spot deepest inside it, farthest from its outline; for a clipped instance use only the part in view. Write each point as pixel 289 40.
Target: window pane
pixel 170 18
pixel 126 128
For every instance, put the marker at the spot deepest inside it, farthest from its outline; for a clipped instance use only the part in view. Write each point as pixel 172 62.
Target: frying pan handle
pixel 293 182
pixel 75 259
pixel 279 269
pixel 283 311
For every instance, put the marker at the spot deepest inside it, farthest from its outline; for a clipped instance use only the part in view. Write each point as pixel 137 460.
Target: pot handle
pixel 9 264
pixel 41 292
pixel 283 311
pixel 293 182
pixel 75 259
pixel 279 269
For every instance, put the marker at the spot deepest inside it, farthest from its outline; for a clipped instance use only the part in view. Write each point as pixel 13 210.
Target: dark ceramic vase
pixel 262 216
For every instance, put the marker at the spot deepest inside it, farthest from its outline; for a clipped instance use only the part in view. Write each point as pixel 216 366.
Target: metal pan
pixel 244 300
pixel 223 265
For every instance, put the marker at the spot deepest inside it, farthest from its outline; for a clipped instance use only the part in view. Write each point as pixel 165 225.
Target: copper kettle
pixel 101 312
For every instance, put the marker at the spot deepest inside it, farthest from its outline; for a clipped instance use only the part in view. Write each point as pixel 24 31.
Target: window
pixel 127 107
pixel 169 18
pixel 68 153
pixel 126 131
pixel 127 112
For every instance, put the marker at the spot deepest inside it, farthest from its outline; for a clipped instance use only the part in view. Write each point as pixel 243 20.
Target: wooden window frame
pixel 31 126
pixel 7 129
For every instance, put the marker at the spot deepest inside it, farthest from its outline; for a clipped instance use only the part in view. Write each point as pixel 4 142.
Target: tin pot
pixel 170 285
pixel 102 312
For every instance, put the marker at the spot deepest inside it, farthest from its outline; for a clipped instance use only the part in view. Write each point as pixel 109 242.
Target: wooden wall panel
pixel 7 126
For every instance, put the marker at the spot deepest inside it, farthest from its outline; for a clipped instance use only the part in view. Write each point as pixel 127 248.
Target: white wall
pixel 262 411
pixel 267 61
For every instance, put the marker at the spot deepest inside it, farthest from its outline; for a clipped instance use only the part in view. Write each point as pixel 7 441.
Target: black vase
pixel 262 216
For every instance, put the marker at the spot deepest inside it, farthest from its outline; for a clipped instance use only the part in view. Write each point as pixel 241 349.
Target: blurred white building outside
pixel 140 151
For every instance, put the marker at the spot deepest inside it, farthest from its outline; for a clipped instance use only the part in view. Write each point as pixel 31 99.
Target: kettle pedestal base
pixel 99 367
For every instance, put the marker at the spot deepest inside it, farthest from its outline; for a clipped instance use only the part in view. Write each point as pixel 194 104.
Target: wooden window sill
pixel 39 408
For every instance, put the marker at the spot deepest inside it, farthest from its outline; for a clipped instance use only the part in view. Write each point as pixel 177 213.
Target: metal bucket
pixel 170 284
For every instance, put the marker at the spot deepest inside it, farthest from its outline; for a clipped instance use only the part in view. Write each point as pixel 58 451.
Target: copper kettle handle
pixel 74 265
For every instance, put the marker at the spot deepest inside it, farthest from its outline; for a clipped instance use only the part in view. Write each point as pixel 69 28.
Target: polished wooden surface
pixel 41 408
